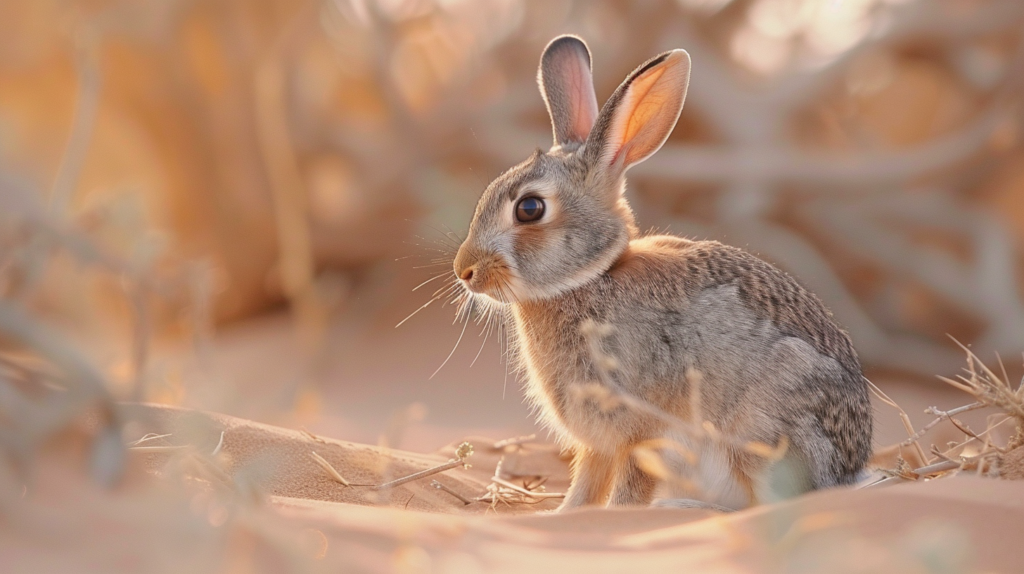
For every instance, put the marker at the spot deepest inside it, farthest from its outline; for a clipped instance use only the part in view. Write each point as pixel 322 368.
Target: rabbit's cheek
pixel 528 244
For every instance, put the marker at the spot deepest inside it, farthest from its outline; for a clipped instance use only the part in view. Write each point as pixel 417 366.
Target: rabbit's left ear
pixel 568 89
pixel 640 115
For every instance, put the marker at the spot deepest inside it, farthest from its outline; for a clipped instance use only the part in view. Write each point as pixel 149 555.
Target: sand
pixel 261 504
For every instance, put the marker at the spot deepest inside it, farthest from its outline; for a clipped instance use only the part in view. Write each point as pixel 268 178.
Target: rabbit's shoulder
pixel 656 261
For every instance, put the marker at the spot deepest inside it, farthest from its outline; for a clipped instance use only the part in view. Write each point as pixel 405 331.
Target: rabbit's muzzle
pixel 486 273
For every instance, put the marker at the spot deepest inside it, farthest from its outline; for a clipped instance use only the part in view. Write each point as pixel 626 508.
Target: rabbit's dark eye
pixel 529 209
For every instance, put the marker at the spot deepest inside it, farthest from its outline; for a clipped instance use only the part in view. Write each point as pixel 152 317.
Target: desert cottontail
pixel 620 333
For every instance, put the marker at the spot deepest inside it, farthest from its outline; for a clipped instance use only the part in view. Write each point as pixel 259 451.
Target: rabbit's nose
pixel 467 265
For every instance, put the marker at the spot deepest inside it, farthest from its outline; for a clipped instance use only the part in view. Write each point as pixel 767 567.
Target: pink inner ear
pixel 584 102
pixel 578 83
pixel 648 111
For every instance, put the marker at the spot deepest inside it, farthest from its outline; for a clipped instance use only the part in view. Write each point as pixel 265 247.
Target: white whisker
pixel 446 287
pixel 503 335
pixel 434 278
pixel 422 307
pixel 486 334
pixel 452 235
pixel 466 324
pixel 454 240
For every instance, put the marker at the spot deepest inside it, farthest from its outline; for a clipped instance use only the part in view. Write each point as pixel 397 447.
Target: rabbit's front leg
pixel 592 474
pixel 633 486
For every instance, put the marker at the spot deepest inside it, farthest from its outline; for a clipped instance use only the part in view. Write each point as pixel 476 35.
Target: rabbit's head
pixel 559 219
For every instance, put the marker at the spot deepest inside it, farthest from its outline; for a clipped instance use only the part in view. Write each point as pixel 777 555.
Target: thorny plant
pixel 46 380
pixel 976 451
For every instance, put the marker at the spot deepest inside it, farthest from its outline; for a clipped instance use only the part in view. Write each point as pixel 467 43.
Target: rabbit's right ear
pixel 568 89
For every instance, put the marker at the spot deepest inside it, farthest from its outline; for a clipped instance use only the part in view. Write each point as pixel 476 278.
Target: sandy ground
pixel 262 505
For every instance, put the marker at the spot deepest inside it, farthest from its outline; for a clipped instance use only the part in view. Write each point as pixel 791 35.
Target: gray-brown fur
pixel 771 363
pixel 772 294
pixel 666 338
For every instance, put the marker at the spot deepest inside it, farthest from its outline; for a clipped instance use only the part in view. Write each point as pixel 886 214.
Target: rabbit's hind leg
pixel 817 464
pixel 592 474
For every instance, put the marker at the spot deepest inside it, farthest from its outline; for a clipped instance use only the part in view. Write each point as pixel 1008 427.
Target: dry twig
pixel 515 441
pixel 464 451
pixel 989 391
pixel 450 491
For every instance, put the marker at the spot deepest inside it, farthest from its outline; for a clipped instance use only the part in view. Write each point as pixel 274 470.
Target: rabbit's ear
pixel 568 89
pixel 640 115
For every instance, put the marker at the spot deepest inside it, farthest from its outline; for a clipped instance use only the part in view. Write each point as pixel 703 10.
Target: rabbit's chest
pixel 573 390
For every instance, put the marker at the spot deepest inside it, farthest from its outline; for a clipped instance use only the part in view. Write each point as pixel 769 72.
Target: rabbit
pixel 615 330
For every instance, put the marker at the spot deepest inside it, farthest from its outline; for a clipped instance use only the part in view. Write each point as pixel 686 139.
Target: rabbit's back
pixel 772 362
pixel 768 292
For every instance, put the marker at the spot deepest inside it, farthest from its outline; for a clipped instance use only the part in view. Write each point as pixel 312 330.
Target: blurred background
pixel 226 204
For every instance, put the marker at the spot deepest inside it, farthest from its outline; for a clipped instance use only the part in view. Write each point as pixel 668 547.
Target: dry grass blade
pixel 157 449
pixel 206 467
pixel 767 451
pixel 609 396
pixel 328 467
pixel 147 438
pixel 608 399
pixel 313 437
pixel 919 473
pixel 220 444
pixel 506 492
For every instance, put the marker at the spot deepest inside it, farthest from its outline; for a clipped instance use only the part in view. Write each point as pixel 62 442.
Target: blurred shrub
pixel 243 154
